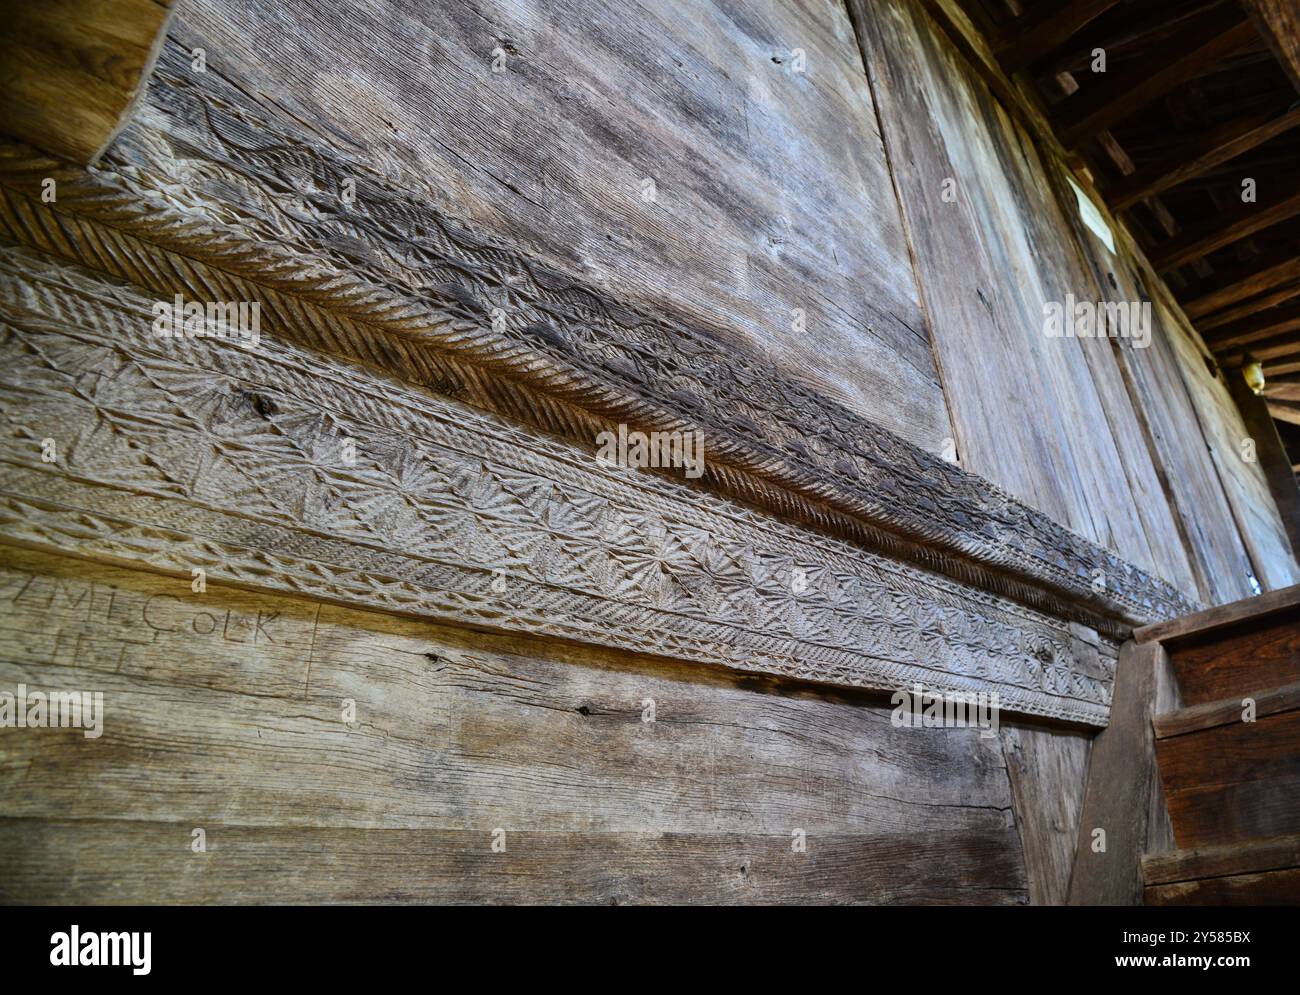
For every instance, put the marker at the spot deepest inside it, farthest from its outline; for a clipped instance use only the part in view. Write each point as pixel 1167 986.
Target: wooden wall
pixel 780 182
pixel 1136 448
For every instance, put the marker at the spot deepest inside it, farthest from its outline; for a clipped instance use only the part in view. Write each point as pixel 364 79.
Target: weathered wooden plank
pixel 1205 623
pixel 150 863
pixel 1047 769
pixel 1233 782
pixel 1113 828
pixel 72 70
pixel 1270 888
pixel 1238 660
pixel 225 710
pixel 1253 856
pixel 998 216
pixel 1270 701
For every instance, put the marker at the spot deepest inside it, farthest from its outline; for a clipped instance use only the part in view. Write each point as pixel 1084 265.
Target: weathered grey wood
pixel 445 513
pixel 224 711
pixel 1270 453
pixel 1001 217
pixel 1121 770
pixel 1047 769
pixel 771 193
pixel 293 864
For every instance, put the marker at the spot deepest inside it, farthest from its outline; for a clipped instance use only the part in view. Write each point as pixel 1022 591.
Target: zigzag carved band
pixel 176 453
pixel 390 280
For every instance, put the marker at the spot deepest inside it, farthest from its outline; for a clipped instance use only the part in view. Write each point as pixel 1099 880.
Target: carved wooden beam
pixel 567 360
pixel 177 452
pixel 1201 153
pixel 72 69
pixel 1111 98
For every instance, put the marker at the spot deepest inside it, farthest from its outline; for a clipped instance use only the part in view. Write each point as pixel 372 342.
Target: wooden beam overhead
pixel 1200 154
pixel 1273 269
pixel 1274 351
pixel 1258 328
pixel 1280 369
pixel 1234 225
pixel 1253 306
pixel 1038 34
pixel 1279 23
pixel 1113 97
pixel 1284 412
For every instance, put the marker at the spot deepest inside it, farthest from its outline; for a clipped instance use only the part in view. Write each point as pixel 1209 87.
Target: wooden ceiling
pixel 1197 97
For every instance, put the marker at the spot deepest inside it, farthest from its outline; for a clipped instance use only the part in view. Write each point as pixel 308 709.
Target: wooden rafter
pixel 1200 154
pixel 1205 40
pixel 1040 33
pixel 1271 270
pixel 1258 328
pixel 1253 306
pixel 1216 232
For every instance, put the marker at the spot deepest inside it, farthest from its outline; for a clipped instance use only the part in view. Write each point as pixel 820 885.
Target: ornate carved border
pixel 182 452
pixel 201 195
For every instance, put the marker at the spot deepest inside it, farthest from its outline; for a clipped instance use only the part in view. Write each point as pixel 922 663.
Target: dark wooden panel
pixel 1238 660
pixel 1233 783
pixel 1254 856
pixel 1269 888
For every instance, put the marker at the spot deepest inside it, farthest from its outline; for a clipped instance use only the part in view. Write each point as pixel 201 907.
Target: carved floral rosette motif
pixel 177 453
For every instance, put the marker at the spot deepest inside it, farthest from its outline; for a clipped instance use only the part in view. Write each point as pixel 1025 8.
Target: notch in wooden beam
pixel 1110 98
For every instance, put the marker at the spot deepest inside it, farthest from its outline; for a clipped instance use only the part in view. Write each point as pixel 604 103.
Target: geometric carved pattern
pixel 177 453
pixel 389 276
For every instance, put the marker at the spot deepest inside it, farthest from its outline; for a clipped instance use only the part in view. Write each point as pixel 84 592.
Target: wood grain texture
pixel 1117 450
pixel 1237 660
pixel 1234 782
pixel 771 191
pixel 1280 853
pixel 1193 718
pixel 199 451
pixel 1279 22
pixel 224 710
pixel 1118 796
pixel 1268 888
pixel 71 70
pixel 566 361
